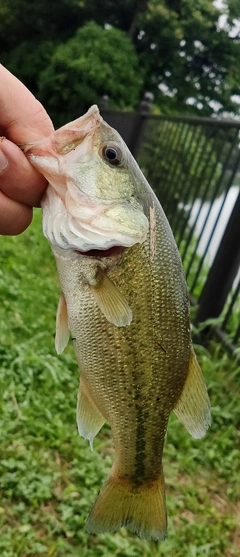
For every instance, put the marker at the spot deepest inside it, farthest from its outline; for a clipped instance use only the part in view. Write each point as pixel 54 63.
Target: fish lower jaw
pixel 71 253
pixel 110 252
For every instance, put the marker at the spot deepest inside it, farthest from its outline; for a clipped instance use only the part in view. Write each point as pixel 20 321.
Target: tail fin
pixel 141 509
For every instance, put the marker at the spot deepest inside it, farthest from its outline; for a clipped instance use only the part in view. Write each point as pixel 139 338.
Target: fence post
pixel 104 102
pixel 132 130
pixel 144 110
pixel 223 270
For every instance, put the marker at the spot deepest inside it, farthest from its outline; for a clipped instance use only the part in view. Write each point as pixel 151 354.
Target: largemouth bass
pixel 124 299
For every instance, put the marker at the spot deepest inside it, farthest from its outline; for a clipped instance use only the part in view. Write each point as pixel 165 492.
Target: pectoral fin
pixel 62 332
pixel 193 406
pixel 89 419
pixel 111 302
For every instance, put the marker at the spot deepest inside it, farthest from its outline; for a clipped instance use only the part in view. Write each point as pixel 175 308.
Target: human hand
pixel 22 120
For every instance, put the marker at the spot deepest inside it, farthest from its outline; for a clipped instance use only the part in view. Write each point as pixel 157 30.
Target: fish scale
pixel 136 369
pixel 124 299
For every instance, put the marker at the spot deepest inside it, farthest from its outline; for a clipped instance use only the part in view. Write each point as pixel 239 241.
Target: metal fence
pixel 193 165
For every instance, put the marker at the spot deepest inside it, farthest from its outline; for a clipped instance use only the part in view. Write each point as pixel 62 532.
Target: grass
pixel 49 477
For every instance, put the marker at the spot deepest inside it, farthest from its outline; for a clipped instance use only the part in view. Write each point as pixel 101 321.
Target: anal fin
pixel 193 406
pixel 89 418
pixel 111 302
pixel 62 331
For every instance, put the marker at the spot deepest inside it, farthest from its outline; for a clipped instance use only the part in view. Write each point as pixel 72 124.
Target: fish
pixel 125 303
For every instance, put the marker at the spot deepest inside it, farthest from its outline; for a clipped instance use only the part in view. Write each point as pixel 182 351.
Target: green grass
pixel 49 477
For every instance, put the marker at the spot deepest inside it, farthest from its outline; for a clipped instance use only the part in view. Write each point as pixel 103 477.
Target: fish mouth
pixel 110 252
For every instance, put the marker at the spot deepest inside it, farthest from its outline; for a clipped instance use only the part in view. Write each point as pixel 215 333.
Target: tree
pixel 96 61
pixel 123 15
pixel 187 60
pixel 190 63
pixel 28 59
pixel 39 20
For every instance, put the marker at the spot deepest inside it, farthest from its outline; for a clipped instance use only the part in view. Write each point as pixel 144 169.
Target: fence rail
pixel 193 165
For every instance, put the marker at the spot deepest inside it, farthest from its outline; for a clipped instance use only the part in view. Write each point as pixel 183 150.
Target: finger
pixel 14 217
pixel 19 180
pixel 23 118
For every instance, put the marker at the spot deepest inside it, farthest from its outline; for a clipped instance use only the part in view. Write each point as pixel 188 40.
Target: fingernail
pixel 3 162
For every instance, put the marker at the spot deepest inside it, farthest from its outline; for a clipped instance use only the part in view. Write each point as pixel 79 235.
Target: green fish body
pixel 124 299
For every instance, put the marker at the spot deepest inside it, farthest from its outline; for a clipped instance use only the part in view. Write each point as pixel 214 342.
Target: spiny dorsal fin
pixel 193 406
pixel 62 332
pixel 89 419
pixel 111 302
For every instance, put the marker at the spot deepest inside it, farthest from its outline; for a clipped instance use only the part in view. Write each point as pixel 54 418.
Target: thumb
pixel 22 117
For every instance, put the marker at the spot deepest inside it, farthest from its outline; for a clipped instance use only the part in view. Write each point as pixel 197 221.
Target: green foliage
pixel 186 59
pixel 96 61
pixel 49 478
pixel 183 49
pixel 38 20
pixel 28 59
pixel 232 321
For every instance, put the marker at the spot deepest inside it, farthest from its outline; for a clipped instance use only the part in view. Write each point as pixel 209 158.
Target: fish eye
pixel 112 155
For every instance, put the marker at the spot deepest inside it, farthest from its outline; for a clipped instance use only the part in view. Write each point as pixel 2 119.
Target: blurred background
pixel 71 52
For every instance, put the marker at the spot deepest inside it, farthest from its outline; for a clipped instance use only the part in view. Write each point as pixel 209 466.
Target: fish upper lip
pixel 109 252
